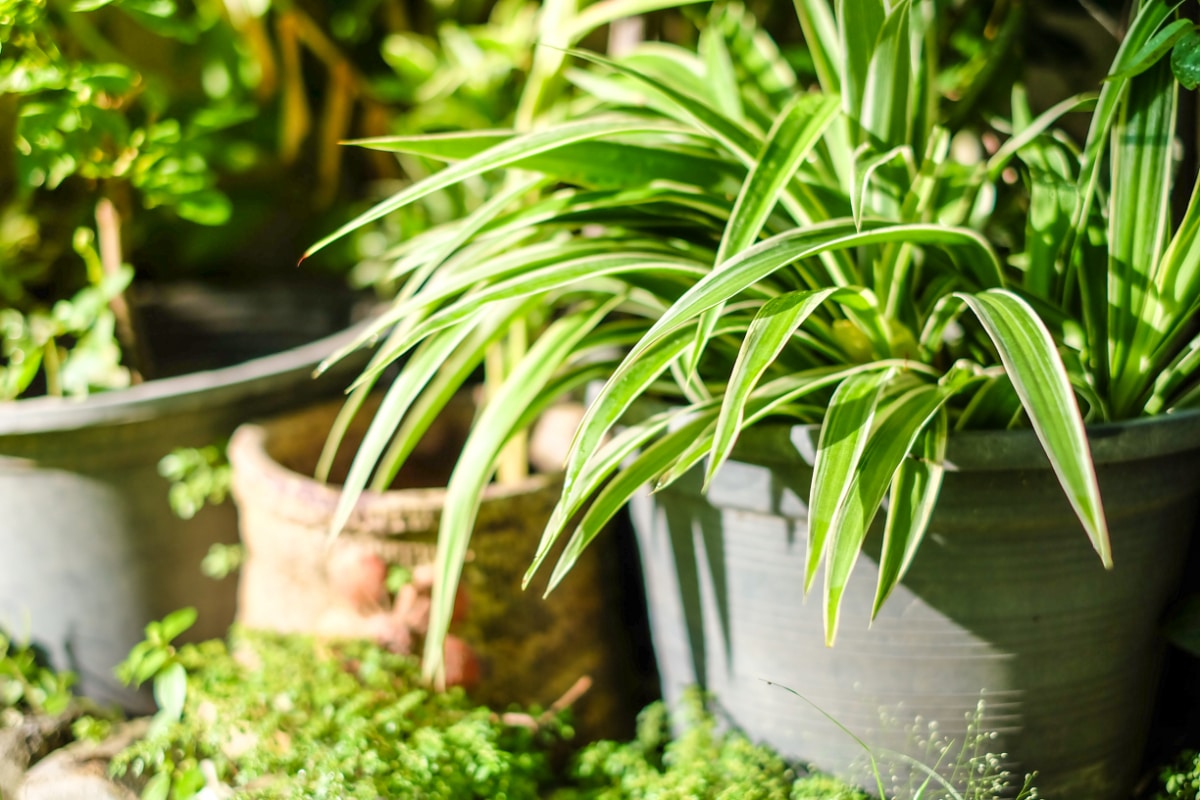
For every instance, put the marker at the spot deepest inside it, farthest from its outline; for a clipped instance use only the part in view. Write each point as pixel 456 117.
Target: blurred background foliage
pixel 144 141
pixel 150 140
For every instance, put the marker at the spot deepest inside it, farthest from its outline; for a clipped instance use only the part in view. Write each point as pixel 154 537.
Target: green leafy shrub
pixel 107 132
pixel 288 717
pixel 134 128
pixel 701 764
pixel 198 476
pixel 27 685
pixel 1181 779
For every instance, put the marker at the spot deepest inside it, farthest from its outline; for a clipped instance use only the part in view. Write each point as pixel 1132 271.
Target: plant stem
pixel 108 230
pixel 8 149
pixel 52 366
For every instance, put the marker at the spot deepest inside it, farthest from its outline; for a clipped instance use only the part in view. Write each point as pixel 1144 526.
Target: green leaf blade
pixel 844 436
pixel 1036 370
pixel 913 495
pixel 769 333
pixel 889 445
pixel 489 434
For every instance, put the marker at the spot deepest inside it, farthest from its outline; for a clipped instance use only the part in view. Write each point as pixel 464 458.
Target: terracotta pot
pixel 531 650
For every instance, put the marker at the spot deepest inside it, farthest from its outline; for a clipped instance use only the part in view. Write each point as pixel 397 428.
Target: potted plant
pixel 707 233
pixel 130 132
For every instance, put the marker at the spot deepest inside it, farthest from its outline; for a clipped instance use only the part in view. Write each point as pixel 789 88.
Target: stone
pixel 80 770
pixel 28 740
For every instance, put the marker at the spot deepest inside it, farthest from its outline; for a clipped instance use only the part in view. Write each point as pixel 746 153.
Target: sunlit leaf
pixel 844 436
pixel 1040 379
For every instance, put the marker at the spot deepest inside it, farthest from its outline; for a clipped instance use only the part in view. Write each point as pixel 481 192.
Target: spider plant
pixel 705 231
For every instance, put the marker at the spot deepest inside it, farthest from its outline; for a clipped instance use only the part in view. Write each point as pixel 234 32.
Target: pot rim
pixel 1111 442
pixel 254 466
pixel 264 375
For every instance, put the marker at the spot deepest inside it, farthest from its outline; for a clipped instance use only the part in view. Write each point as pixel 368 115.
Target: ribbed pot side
pixel 1005 603
pixel 532 650
pixel 90 550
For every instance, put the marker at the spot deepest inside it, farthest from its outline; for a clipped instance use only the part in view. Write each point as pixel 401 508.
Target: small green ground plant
pixel 27 685
pixel 701 762
pixel 1180 780
pixel 287 716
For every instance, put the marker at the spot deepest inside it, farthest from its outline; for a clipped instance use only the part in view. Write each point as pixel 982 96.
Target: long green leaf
pixel 1141 31
pixel 887 447
pixel 1139 222
pixel 449 379
pixel 859 24
pixel 912 498
pixel 602 463
pixel 777 396
pixel 590 272
pixel 797 129
pixel 396 401
pixel 886 111
pixel 1177 285
pixel 491 431
pixel 432 262
pixel 546 279
pixel 732 134
pixel 749 268
pixel 615 398
pixel 502 155
pixel 844 436
pixel 1154 49
pixel 767 81
pixel 1037 373
pixel 742 143
pixel 1175 376
pixel 592 164
pixel 769 333
pixel 864 171
pixel 823 42
pixel 617 492
pixel 601 13
pixel 722 80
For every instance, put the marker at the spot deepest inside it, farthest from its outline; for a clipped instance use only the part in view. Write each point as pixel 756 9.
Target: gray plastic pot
pixel 89 548
pixel 1006 603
